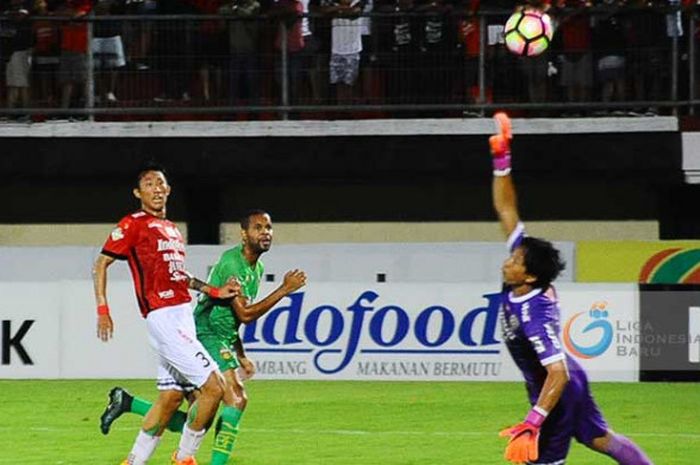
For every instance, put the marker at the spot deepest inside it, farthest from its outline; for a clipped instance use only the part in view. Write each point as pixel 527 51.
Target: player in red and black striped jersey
pixel 155 251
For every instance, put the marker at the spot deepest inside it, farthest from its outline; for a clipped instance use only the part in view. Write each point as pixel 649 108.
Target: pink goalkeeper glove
pixel 522 445
pixel 500 144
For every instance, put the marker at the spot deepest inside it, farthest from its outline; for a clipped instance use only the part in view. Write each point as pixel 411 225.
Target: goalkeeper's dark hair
pixel 245 219
pixel 542 260
pixel 150 165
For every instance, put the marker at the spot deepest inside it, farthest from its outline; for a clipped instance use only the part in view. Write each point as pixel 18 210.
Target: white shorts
pixel 344 68
pixel 17 71
pixel 108 52
pixel 183 362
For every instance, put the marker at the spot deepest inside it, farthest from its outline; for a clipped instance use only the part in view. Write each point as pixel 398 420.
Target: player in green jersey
pixel 217 329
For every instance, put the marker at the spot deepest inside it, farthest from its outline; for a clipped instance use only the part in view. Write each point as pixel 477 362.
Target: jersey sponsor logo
pixel 509 323
pixel 334 336
pixel 117 234
pixel 169 294
pixel 525 310
pixel 172 244
pixel 577 329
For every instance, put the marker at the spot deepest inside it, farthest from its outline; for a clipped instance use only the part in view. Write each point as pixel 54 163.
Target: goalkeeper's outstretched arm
pixel 505 201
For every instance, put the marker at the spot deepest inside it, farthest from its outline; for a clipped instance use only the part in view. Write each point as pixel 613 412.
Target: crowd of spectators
pixel 348 52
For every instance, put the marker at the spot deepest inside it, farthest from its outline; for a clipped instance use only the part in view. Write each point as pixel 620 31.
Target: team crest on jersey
pixel 226 354
pixel 117 234
pixel 169 294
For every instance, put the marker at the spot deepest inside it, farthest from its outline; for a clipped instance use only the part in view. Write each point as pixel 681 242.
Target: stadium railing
pixel 422 62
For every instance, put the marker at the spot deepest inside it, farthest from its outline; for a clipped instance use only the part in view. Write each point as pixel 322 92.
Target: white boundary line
pixel 350 432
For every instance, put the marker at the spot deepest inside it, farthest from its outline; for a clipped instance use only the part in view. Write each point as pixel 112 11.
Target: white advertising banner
pixel 325 331
pixel 30 336
pixel 443 332
pixel 600 329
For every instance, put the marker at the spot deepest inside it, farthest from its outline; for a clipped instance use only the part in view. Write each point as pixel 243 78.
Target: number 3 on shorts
pixel 205 360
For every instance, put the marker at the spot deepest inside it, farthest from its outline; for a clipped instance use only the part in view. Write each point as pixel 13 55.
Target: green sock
pixel 225 435
pixel 141 407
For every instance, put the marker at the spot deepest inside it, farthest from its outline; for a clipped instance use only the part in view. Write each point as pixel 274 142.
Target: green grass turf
pixel 342 423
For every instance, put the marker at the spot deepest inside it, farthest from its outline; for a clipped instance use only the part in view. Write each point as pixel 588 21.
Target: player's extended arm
pixel 231 289
pixel 503 191
pixel 522 444
pixel 554 384
pixel 105 326
pixel 247 312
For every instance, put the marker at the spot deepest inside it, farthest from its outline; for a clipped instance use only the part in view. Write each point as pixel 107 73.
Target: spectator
pixel 468 47
pixel 346 45
pixel 174 51
pixel 609 44
pixel 288 14
pixel 72 71
pixel 20 53
pixel 139 33
pixel 243 41
pixel 310 59
pixel 577 57
pixel 644 36
pixel 47 50
pixel 399 45
pixel 108 49
pixel 437 43
pixel 371 91
pixel 500 63
pixel 211 48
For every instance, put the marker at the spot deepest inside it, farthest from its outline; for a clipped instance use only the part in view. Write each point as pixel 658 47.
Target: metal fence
pixel 391 62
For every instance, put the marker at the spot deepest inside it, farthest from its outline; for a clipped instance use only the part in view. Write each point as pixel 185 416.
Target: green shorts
pixel 221 352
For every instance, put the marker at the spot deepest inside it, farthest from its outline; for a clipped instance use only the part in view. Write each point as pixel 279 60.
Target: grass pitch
pixel 342 423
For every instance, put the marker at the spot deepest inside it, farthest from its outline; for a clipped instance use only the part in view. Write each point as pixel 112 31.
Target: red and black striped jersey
pixel 155 251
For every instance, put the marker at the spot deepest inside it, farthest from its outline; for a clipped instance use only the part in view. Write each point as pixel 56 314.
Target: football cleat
pixel 186 461
pixel 118 404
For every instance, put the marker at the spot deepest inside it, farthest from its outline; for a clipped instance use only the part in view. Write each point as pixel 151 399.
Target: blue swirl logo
pixel 599 316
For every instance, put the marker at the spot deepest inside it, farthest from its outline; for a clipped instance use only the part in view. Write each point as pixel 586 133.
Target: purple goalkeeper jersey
pixel 531 330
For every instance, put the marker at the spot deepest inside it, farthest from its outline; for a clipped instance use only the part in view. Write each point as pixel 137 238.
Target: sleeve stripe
pixel 113 255
pixel 552 359
pixel 515 235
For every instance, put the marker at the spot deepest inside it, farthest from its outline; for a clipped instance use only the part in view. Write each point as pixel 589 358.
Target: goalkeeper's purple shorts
pixel 575 416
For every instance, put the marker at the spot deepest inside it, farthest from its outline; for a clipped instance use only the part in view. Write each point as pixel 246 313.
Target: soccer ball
pixel 528 32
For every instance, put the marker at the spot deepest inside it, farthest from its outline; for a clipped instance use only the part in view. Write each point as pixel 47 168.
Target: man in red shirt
pixel 155 251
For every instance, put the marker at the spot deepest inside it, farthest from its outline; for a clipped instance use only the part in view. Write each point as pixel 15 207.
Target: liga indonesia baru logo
pixel 576 329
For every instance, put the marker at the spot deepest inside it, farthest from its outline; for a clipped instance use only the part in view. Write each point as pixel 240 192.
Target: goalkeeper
pixel 557 386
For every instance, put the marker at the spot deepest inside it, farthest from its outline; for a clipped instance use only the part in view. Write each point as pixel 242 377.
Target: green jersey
pixel 218 321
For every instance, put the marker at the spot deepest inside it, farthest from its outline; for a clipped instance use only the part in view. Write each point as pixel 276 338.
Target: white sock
pixel 189 442
pixel 144 446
